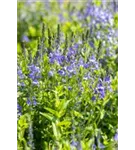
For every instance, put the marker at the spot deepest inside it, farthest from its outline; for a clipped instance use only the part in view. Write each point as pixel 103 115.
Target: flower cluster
pixel 34 74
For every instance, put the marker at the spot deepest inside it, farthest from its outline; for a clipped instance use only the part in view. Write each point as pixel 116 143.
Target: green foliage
pixel 61 115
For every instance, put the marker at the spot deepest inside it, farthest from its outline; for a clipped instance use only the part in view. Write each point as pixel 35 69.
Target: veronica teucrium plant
pixel 67 75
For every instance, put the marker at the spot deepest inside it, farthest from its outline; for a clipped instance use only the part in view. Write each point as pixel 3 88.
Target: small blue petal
pixel 101 146
pixel 93 98
pixel 116 137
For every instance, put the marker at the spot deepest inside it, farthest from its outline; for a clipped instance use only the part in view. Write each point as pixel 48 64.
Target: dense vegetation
pixel 67 80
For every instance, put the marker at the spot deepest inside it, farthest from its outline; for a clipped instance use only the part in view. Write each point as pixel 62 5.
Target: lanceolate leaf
pixel 54 130
pixel 55 113
pixel 64 123
pixel 48 116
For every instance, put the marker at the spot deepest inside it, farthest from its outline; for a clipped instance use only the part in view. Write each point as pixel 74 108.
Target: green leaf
pixel 22 122
pixel 105 142
pixel 62 107
pixel 52 111
pixel 21 135
pixel 96 43
pixel 77 114
pixel 19 49
pixel 54 130
pixel 89 128
pixel 32 31
pixel 64 123
pixel 97 2
pixel 64 104
pixel 48 116
pixel 102 114
pixel 18 94
pixel 116 20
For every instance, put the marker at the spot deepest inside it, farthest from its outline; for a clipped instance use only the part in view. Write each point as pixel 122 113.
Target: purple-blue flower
pixel 93 59
pixel 50 73
pixel 19 113
pixel 35 82
pixel 101 90
pixel 20 74
pixel 61 18
pixel 86 77
pixel 96 65
pixel 34 102
pixel 102 94
pixel 100 87
pixel 86 65
pixel 25 38
pixel 93 98
pixel 28 102
pixel 93 147
pixel 70 69
pixel 116 137
pixel 95 91
pixel 32 75
pixel 60 59
pixel 101 146
pixel 52 60
pixel 56 56
pixel 80 62
pixel 60 1
pixel 19 107
pixel 61 72
pixel 91 44
pixel 69 88
pixel 34 68
pixel 73 143
pixel 107 79
pixel 76 46
pixel 71 52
